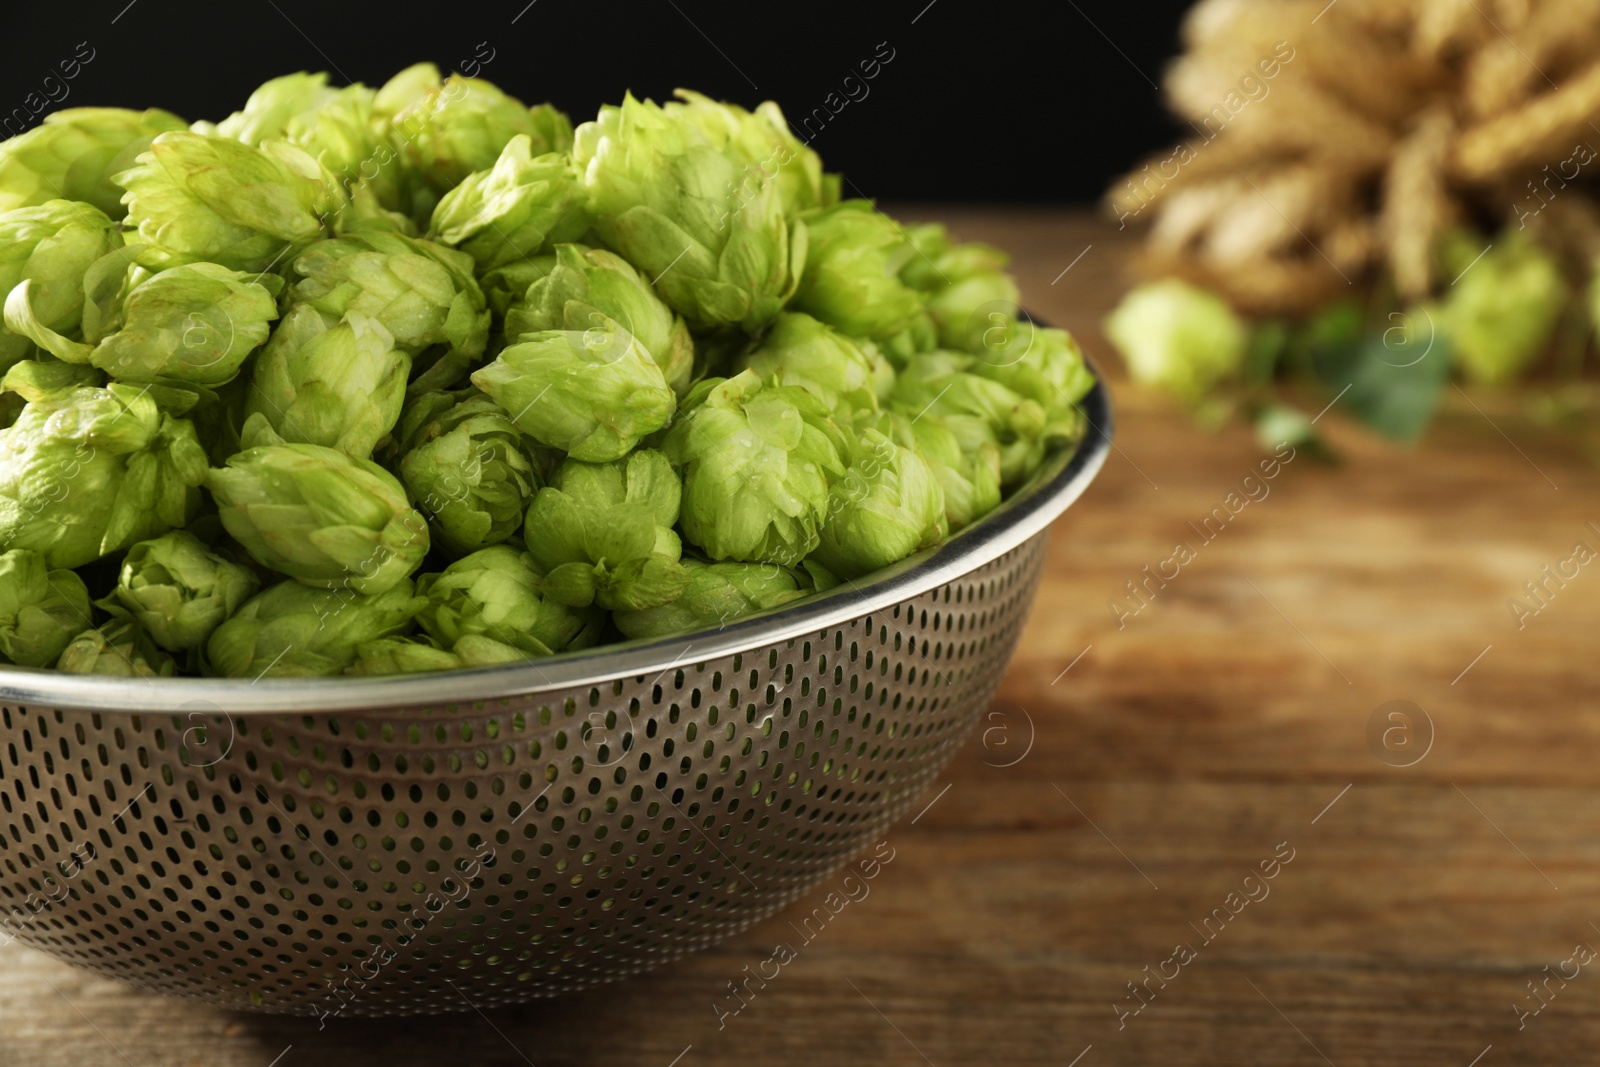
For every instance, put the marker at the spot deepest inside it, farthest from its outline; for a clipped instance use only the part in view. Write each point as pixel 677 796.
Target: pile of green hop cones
pixel 365 381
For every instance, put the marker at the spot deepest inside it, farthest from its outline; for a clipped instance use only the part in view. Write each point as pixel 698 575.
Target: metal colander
pixel 408 845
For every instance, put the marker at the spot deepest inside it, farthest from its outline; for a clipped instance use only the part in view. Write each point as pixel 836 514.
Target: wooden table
pixel 1107 810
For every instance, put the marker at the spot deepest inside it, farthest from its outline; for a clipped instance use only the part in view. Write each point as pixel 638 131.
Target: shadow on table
pixel 648 1019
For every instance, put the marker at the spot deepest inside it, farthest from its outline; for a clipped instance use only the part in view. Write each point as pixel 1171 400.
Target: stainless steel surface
pixel 414 845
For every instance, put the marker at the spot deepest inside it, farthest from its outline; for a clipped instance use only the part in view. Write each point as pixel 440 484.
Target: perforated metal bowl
pixel 410 845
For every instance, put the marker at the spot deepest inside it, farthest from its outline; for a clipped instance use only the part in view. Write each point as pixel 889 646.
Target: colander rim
pixel 1053 488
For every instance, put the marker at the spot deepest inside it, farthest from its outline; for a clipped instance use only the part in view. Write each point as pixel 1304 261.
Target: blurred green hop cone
pixel 499 594
pixel 447 128
pixel 41 610
pixel 968 290
pixel 1503 308
pixel 295 631
pixel 273 105
pixel 179 591
pixel 587 286
pixel 73 154
pixel 337 127
pixel 467 467
pixel 1041 364
pixel 757 460
pixel 321 516
pixel 1180 338
pixel 763 143
pixel 590 393
pixel 88 471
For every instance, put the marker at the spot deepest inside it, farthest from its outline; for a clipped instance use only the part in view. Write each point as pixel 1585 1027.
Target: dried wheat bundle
pixel 1333 142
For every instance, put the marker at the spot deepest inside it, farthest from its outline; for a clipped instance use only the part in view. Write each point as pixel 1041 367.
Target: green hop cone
pixel 1043 365
pixel 929 241
pixel 41 610
pixel 196 323
pixel 468 468
pixel 763 143
pixel 888 505
pixel 1180 338
pixel 968 290
pixel 603 533
pixel 717 594
pixel 709 232
pixel 365 213
pixel 970 480
pixel 852 279
pixel 341 385
pixel 499 594
pixel 587 286
pixel 179 592
pixel 318 515
pixel 517 208
pixel 193 198
pixel 74 153
pixel 274 104
pixel 406 655
pixel 981 412
pixel 422 293
pixel 34 379
pixel 295 631
pixel 979 298
pixel 1501 312
pixel 446 129
pixel 338 127
pixel 757 460
pixel 506 287
pixel 800 351
pixel 45 254
pixel 401 655
pixel 921 336
pixel 119 649
pixel 590 393
pixel 88 471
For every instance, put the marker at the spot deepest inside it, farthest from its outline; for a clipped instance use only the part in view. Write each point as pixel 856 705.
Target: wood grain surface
pixel 1104 812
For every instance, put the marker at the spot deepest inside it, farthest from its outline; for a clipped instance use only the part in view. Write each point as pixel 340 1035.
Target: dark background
pixel 984 100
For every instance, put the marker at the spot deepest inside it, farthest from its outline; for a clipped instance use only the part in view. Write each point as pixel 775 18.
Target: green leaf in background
pixel 1393 381
pixel 1269 345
